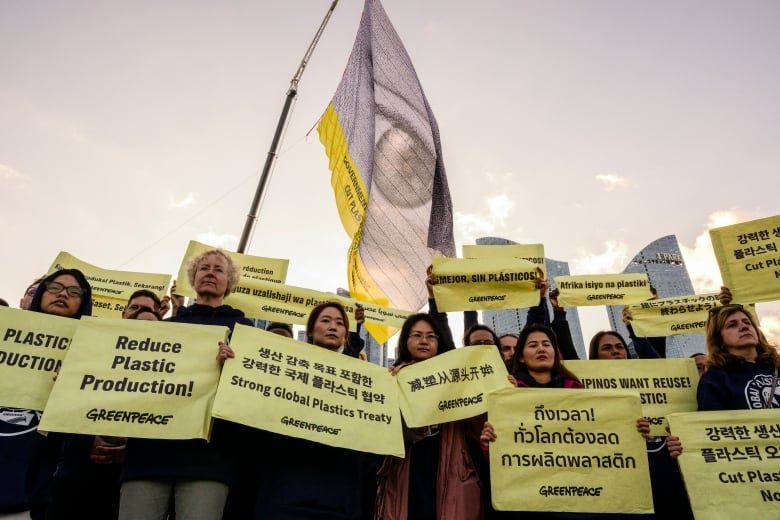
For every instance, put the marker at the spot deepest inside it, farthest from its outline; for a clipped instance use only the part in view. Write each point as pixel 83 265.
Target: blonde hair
pixel 717 353
pixel 232 272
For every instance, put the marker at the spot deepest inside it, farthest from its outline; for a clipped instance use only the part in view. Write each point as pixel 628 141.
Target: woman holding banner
pixel 302 479
pixel 669 496
pixel 437 478
pixel 196 475
pixel 62 473
pixel 537 364
pixel 742 371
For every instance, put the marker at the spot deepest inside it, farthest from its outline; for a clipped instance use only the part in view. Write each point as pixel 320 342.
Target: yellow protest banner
pixel 304 391
pixel 111 289
pixel 602 289
pixel 664 385
pixel 484 283
pixel 672 316
pixel 730 462
pixel 569 451
pixel 251 269
pixel 129 378
pixel 261 293
pixel 451 386
pixel 534 253
pixel 32 347
pixel 749 260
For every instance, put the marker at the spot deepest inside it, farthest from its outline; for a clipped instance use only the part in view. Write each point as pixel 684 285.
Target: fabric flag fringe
pixel 388 175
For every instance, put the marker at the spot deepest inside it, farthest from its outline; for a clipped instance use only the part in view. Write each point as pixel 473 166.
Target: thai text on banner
pixel 572 450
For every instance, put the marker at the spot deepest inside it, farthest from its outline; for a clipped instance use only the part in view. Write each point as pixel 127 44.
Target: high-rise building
pixel 512 320
pixel 375 352
pixel 663 263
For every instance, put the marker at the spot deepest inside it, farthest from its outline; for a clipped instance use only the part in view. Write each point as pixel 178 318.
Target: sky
pixel 128 129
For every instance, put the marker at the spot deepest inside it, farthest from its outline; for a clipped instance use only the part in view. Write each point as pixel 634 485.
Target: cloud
pixel 700 258
pixel 189 200
pixel 611 181
pixel 224 240
pixel 8 174
pixel 470 226
pixel 612 260
pixel 769 314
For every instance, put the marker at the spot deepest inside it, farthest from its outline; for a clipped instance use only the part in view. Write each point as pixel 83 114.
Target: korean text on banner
pixel 749 260
pixel 664 385
pixel 602 289
pixel 484 283
pixel 572 450
pixel 730 462
pixel 130 378
pixel 301 390
pixel 32 347
pixel 450 386
pixel 388 176
pixel 112 289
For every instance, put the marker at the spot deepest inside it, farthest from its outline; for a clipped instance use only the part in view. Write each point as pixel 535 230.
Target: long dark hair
pixel 517 365
pixel 718 354
pixel 85 309
pixel 593 350
pixel 404 356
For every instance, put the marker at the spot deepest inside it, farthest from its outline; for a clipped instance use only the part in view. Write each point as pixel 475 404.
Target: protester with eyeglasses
pixel 437 478
pixel 28 460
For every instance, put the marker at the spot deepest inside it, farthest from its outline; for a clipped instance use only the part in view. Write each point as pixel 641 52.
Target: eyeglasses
pixel 419 335
pixel 732 306
pixel 482 342
pixel 31 290
pixel 72 290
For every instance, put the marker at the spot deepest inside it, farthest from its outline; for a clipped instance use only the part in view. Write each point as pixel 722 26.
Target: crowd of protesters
pixel 245 473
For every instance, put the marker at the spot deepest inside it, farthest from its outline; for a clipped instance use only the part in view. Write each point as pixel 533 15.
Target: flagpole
pixel 270 159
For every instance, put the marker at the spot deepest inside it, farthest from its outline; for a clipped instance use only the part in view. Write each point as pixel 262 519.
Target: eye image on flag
pixel 388 174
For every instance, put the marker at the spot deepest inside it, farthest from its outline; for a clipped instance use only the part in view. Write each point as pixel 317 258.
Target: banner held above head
pixel 388 176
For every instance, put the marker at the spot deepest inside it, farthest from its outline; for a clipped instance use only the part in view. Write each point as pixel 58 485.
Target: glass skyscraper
pixel 665 267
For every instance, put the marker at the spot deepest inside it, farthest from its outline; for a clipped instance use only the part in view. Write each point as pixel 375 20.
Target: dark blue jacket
pixel 739 386
pixel 194 459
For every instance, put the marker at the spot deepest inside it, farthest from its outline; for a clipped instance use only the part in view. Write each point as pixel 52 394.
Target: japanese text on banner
pixel 129 378
pixel 572 450
pixel 451 386
pixel 309 392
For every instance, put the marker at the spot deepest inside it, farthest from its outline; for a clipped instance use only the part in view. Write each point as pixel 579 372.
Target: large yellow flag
pixel 387 170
